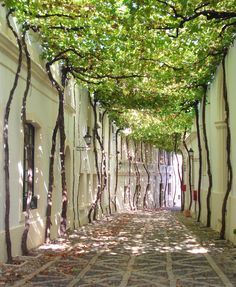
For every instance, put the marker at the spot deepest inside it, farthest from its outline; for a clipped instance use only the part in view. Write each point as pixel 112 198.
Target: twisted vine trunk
pixel 6 141
pixel 189 173
pixel 179 175
pixel 103 168
pixel 109 168
pixel 148 178
pixel 228 149
pixel 117 168
pixel 104 177
pixel 174 203
pixel 93 208
pixel 138 185
pixel 26 150
pixel 50 184
pixel 165 190
pixel 161 179
pixel 101 172
pixel 129 173
pixel 200 161
pixel 63 223
pixel 61 127
pixel 181 179
pixel 209 174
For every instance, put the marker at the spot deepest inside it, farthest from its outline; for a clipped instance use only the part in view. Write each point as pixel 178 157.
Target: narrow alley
pixel 161 248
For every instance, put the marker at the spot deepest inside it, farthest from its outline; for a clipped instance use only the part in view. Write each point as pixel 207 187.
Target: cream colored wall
pixel 216 131
pixel 231 64
pixel 42 107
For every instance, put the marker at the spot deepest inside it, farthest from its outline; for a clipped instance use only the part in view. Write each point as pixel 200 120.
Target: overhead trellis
pixel 149 58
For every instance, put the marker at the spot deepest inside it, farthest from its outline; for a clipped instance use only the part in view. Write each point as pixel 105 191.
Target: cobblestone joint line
pixel 30 276
pixel 219 272
pixel 84 271
pixel 140 249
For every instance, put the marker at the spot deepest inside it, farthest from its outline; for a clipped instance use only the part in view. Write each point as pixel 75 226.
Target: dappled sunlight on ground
pixel 151 248
pixel 198 250
pixel 163 236
pixel 60 246
pixel 157 232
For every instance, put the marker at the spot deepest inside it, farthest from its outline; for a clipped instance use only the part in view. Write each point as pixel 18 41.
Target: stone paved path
pixel 136 249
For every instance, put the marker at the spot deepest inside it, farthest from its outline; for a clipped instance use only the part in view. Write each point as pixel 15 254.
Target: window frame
pixel 30 142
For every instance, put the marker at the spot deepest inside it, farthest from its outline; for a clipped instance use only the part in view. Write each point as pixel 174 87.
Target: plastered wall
pixel 216 132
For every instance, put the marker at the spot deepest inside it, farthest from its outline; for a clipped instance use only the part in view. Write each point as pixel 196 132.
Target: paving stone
pixel 139 249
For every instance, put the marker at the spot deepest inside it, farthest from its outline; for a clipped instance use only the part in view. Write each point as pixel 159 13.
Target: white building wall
pixel 42 108
pixel 216 131
pixel 81 175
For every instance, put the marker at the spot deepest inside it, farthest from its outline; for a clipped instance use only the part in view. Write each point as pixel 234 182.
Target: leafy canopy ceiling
pixel 147 61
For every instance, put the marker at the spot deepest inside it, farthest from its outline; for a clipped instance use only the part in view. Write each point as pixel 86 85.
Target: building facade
pixel 126 176
pixel 216 128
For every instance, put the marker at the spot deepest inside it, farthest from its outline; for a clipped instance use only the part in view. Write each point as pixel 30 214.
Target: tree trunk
pixel 174 203
pixel 93 207
pixel 168 177
pixel 200 162
pixel 179 175
pixel 101 172
pixel 208 158
pixel 148 178
pixel 61 127
pixel 63 224
pixel 109 169
pixel 24 247
pixel 228 149
pixel 121 149
pixel 165 190
pixel 50 184
pixel 61 93
pixel 27 150
pixel 181 179
pixel 138 186
pixel 6 143
pixel 104 177
pixel 189 173
pixel 129 172
pixel 103 162
pixel 161 179
pixel 117 168
pixel 129 185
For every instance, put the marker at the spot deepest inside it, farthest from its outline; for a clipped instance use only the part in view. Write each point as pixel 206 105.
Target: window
pixel 28 164
pixel 100 116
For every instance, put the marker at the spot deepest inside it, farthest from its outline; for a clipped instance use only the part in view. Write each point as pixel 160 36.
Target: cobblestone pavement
pixel 160 248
